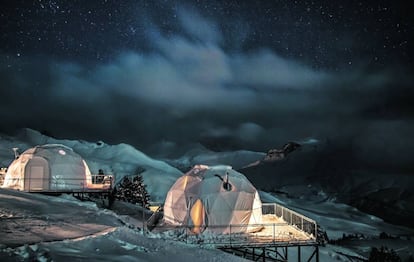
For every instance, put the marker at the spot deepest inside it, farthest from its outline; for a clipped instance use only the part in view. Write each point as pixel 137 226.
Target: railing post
pixel 287 255
pixel 317 253
pixel 230 235
pixel 302 224
pixel 274 233
pixel 143 218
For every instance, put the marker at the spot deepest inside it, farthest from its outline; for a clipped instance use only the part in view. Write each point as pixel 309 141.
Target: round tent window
pixel 62 152
pixel 227 186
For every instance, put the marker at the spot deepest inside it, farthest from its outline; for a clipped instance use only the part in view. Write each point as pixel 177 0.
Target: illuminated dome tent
pixel 51 167
pixel 213 198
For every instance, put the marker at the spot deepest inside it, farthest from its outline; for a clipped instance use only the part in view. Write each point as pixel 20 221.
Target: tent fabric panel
pixel 88 174
pixel 14 177
pixel 176 204
pixel 177 200
pixel 240 217
pixel 69 175
pixel 175 217
pixel 244 201
pixel 221 205
pixel 210 185
pixel 224 201
pixel 218 212
pixel 175 207
pixel 256 217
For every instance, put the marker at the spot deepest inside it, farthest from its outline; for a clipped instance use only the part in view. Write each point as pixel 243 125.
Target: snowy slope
pixel 44 228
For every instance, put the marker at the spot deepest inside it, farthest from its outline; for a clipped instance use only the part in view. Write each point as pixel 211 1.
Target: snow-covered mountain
pixel 236 159
pixel 296 182
pixel 387 194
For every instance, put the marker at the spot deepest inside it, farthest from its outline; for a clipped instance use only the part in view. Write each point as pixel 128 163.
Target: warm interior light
pixel 197 216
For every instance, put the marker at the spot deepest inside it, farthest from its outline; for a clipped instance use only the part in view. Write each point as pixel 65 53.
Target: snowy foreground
pixel 58 228
pixel 45 228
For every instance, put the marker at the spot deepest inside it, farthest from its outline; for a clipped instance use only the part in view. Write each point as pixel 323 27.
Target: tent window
pixel 62 152
pixel 227 186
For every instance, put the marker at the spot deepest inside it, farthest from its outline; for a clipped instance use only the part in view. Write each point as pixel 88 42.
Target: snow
pixel 36 218
pixel 58 228
pixel 45 228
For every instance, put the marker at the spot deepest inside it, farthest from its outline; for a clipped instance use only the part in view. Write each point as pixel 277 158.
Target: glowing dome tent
pixel 51 167
pixel 212 199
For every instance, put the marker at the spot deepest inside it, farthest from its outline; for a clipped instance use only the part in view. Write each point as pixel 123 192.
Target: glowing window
pixel 62 152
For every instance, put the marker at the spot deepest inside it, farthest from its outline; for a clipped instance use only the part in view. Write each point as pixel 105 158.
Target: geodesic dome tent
pixel 48 168
pixel 217 199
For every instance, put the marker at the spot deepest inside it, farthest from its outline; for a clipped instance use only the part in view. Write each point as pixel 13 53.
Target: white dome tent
pixel 48 168
pixel 216 199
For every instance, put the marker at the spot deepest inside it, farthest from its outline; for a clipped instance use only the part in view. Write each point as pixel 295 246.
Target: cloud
pixel 189 88
pixel 199 27
pixel 249 132
pixel 265 69
pixel 188 76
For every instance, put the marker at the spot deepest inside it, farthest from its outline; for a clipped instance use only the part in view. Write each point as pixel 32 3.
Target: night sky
pixel 162 75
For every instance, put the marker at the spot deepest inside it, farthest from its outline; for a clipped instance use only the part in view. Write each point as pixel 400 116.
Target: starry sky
pixel 163 75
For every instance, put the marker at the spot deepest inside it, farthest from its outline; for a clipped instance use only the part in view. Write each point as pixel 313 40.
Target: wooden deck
pixel 273 231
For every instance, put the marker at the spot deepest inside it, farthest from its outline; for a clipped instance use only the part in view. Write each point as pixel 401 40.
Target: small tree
pixel 122 190
pixel 133 191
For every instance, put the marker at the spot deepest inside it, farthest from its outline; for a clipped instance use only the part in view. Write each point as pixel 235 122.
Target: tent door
pixel 197 215
pixel 37 175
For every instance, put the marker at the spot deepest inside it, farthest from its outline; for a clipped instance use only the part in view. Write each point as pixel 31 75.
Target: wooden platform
pixel 281 230
pixel 275 229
